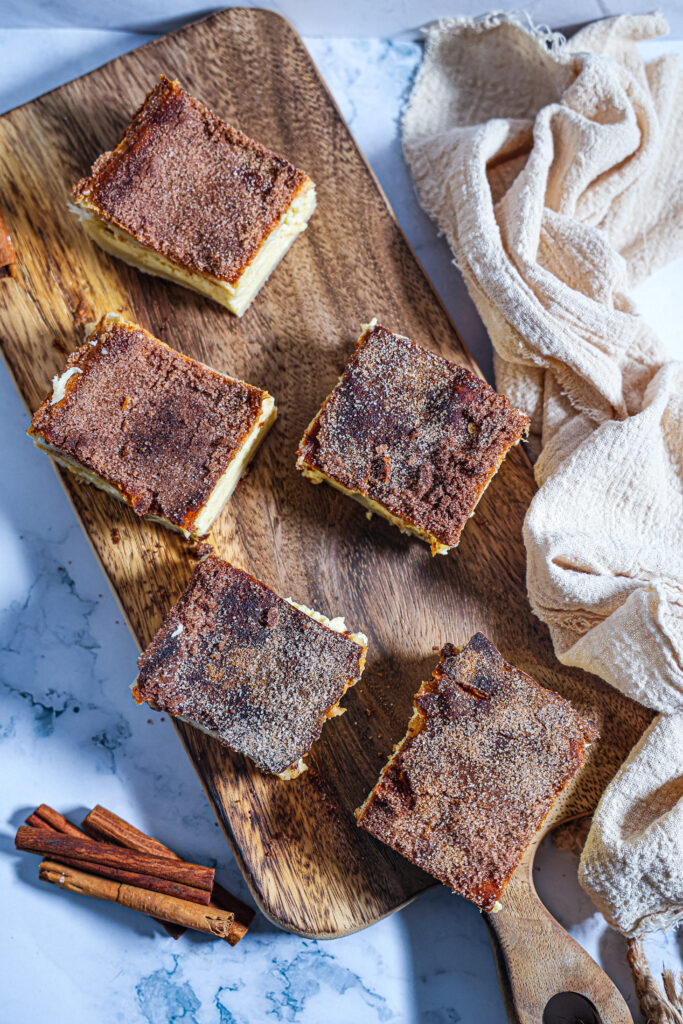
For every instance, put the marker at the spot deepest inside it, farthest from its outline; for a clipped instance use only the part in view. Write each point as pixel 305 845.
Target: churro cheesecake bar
pixel 487 752
pixel 8 259
pixel 256 671
pixel 187 197
pixel 412 436
pixel 165 434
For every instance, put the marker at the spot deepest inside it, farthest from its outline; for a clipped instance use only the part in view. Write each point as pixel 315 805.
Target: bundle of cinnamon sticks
pixel 111 860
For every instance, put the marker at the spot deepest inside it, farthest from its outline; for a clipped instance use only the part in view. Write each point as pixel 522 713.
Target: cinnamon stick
pixel 39 840
pixel 103 824
pixel 56 821
pixel 167 908
pixel 244 915
pixel 37 822
pixel 47 818
pixel 162 885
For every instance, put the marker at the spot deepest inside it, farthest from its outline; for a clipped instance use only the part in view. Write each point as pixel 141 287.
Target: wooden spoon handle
pixel 537 959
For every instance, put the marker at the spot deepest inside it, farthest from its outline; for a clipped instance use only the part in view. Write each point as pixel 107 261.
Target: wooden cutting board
pixel 309 867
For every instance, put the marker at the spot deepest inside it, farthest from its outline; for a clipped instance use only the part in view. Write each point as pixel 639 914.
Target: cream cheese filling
pixel 215 503
pixel 235 296
pixel 338 625
pixel 59 384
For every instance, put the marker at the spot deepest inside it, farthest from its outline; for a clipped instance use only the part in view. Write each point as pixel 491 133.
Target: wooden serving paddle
pixel 538 962
pixel 309 867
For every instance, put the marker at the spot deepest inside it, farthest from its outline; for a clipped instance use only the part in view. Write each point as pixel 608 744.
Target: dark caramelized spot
pixel 470 785
pixel 186 184
pixel 248 666
pixel 409 429
pixel 272 617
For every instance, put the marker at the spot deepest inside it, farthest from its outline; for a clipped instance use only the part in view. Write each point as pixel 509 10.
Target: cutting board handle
pixel 538 960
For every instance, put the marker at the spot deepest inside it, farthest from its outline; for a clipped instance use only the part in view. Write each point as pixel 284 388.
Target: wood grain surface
pixel 309 867
pixel 536 960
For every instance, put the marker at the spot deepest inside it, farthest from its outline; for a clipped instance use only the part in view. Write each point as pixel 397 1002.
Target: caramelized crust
pixel 7 258
pixel 157 426
pixel 486 755
pixel 413 432
pixel 247 666
pixel 188 185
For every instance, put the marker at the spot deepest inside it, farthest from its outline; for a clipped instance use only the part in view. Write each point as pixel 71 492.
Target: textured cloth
pixel 555 171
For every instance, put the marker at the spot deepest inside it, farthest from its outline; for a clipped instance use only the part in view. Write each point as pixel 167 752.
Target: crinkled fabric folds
pixel 556 172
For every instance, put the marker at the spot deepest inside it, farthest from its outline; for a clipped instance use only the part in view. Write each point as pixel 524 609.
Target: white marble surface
pixel 69 733
pixel 353 18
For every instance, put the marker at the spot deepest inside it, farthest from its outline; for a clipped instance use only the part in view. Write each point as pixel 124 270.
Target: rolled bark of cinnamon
pixel 211 920
pixel 38 840
pixel 103 824
pixel 162 885
pixel 45 815
pixel 37 822
pixel 47 818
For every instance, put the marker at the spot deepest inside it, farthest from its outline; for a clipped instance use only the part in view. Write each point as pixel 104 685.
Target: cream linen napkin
pixel 555 171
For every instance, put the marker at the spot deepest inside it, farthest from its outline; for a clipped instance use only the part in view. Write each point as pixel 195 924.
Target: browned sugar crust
pixel 190 186
pixel 7 258
pixel 491 750
pixel 409 429
pixel 247 666
pixel 158 426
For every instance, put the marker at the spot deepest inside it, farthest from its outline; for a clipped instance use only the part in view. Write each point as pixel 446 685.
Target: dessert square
pixel 158 430
pixel 486 754
pixel 8 260
pixel 410 435
pixel 256 671
pixel 187 197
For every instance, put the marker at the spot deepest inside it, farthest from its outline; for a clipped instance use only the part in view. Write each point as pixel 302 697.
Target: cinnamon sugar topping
pixel 188 185
pixel 8 260
pixel 248 667
pixel 159 427
pixel 413 432
pixel 485 756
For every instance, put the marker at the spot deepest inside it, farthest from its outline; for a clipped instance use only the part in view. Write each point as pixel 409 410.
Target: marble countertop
pixel 69 733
